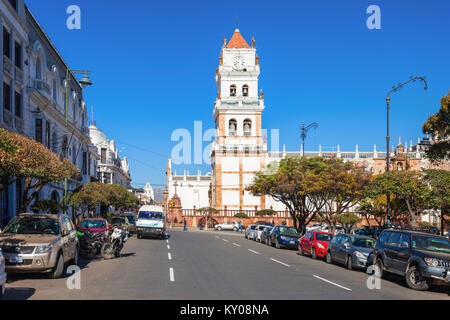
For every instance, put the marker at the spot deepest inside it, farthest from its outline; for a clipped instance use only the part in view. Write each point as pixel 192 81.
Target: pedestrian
pixel 201 226
pixel 240 226
pixel 185 227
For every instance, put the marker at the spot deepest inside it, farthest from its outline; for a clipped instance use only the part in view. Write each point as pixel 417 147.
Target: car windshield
pixel 261 228
pixel 288 230
pixel 147 215
pixel 252 227
pixel 324 237
pixel 363 243
pixel 117 220
pixel 430 243
pixel 33 225
pixel 131 219
pixel 93 224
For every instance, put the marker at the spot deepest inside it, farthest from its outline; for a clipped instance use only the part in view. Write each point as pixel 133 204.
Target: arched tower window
pixel 245 90
pixel 38 69
pixel 232 90
pixel 247 127
pixel 232 127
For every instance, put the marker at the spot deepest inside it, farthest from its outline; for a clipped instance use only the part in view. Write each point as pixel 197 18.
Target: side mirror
pixel 347 245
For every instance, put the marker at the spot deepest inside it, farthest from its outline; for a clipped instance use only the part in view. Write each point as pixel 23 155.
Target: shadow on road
pixel 18 293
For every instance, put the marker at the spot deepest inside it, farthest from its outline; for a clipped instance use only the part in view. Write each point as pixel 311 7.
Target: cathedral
pixel 239 149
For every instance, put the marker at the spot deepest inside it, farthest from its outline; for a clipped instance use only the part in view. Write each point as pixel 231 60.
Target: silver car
pixel 2 274
pixel 258 231
pixel 250 231
pixel 353 251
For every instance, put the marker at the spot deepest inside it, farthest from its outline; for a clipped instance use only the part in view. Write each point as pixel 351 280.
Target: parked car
pixel 227 226
pixel 421 258
pixel 369 231
pixel 351 250
pixel 314 227
pixel 131 216
pixel 39 243
pixel 283 236
pixel 250 231
pixel 93 225
pixel 259 230
pixel 315 243
pixel 2 274
pixel 121 222
pixel 264 238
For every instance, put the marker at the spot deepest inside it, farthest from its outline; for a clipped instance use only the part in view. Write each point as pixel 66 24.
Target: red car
pixel 93 225
pixel 315 243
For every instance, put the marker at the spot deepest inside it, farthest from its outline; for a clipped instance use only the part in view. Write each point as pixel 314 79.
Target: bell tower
pixel 239 149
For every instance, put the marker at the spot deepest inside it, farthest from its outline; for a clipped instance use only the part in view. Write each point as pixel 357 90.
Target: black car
pixel 369 231
pixel 422 258
pixel 131 219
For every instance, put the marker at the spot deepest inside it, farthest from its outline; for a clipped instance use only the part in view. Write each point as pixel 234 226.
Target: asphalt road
pixel 212 265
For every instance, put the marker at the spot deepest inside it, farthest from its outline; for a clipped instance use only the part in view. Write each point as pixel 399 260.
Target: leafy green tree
pixel 47 206
pixel 336 187
pixel 407 187
pixel 288 183
pixel 241 215
pixel 438 125
pixel 23 158
pixel 265 212
pixel 88 197
pixel 438 182
pixel 119 197
pixel 348 220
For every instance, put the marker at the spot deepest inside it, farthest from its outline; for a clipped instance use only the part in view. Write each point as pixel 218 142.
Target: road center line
pixel 171 275
pixel 337 285
pixel 168 247
pixel 169 255
pixel 284 264
pixel 237 245
pixel 256 252
pixel 167 240
pixel 225 240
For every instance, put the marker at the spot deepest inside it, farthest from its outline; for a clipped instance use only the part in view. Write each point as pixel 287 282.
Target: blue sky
pixel 153 66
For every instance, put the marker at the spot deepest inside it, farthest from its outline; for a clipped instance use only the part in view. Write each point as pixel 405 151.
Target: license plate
pixel 292 242
pixel 15 259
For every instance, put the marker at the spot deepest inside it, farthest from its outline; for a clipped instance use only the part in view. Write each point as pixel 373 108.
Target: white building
pixel 111 169
pixel 33 101
pixel 239 149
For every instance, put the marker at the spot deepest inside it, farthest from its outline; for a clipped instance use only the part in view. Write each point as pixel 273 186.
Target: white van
pixel 151 221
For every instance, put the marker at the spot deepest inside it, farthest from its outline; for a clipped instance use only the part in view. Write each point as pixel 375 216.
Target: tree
pixel 374 208
pixel 438 125
pixel 407 187
pixel 240 215
pixel 288 184
pixel 337 187
pixel 47 206
pixel 265 212
pixel 22 158
pixel 119 197
pixel 207 213
pixel 87 197
pixel 348 220
pixel 438 182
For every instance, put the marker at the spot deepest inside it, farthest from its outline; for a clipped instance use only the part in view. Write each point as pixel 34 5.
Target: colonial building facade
pixel 239 149
pixel 33 102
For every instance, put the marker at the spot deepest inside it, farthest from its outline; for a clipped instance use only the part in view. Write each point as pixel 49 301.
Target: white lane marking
pixel 253 251
pixel 225 240
pixel 237 245
pixel 284 264
pixel 168 247
pixel 337 285
pixel 171 275
pixel 169 255
pixel 217 237
pixel 167 240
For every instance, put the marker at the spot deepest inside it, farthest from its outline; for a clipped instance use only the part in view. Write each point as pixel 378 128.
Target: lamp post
pixel 388 100
pixel 84 82
pixel 304 132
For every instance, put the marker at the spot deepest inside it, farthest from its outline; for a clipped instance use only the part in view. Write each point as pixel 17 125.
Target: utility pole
pixel 304 132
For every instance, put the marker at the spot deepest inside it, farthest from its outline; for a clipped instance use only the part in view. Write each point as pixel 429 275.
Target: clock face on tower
pixel 238 63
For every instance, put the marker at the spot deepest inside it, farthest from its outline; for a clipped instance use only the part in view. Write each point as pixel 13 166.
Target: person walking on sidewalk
pixel 240 226
pixel 185 228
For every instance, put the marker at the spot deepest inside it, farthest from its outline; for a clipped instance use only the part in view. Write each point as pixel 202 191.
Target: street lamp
pixel 84 82
pixel 304 132
pixel 388 99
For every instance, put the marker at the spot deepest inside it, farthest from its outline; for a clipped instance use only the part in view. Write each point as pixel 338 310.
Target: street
pixel 211 265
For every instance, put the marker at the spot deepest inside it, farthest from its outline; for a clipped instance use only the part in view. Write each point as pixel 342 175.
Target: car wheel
pixel 59 268
pixel 328 257
pixel 313 253
pixel 380 267
pixel 75 257
pixel 267 241
pixel 349 263
pixel 219 228
pixel 139 236
pixel 234 229
pixel 2 290
pixel 270 242
pixel 415 281
pixel 277 245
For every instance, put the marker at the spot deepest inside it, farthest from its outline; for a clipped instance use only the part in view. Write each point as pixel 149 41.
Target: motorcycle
pixel 90 243
pixel 112 247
